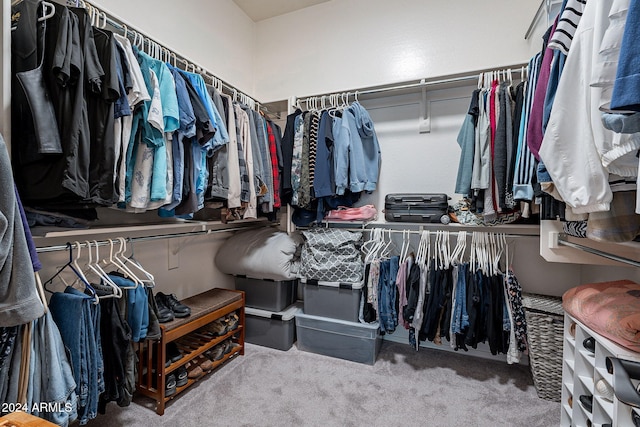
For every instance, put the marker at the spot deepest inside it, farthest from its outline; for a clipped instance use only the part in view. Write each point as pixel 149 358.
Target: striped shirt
pixel 525 162
pixel 567 24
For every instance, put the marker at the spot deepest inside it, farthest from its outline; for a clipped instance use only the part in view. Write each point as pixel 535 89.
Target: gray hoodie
pixel 357 152
pixel 19 300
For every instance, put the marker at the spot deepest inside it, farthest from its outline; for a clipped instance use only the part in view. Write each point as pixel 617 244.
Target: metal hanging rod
pixel 546 6
pixel 56 248
pixel 424 83
pixel 433 232
pixel 562 240
pixel 123 26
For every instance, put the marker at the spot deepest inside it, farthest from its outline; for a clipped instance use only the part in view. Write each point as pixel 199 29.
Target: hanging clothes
pixel 20 303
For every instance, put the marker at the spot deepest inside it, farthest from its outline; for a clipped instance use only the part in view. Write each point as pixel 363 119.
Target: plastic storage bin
pixel 271 329
pixel 332 299
pixel 266 294
pixel 353 341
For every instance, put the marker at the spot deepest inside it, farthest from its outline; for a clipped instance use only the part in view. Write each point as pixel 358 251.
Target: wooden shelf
pixel 205 308
pixel 200 350
pixel 216 365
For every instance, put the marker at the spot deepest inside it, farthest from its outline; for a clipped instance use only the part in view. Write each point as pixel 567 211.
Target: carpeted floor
pixel 267 387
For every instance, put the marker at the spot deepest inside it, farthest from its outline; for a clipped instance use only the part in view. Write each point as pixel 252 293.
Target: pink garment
pixel 343 213
pixel 401 283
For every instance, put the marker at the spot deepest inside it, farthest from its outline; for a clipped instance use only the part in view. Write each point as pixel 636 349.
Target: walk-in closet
pixel 319 213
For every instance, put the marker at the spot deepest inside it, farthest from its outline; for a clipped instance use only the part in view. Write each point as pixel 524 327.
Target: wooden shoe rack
pixel 191 337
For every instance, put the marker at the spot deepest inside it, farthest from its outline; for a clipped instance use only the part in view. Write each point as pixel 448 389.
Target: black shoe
pixel 164 313
pixel 182 376
pixel 170 386
pixel 590 344
pixel 587 402
pixel 173 353
pixel 636 418
pixel 179 310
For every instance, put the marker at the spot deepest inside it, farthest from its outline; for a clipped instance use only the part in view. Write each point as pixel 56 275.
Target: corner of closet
pixel 556 246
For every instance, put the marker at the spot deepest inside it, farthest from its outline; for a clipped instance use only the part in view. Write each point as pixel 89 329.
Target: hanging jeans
pixel 387 294
pixel 51 379
pixel 74 314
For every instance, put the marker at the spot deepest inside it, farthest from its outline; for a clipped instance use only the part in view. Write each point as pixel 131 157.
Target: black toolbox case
pixel 415 207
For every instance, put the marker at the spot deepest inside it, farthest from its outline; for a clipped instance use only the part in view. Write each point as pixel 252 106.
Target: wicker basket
pixel 545 329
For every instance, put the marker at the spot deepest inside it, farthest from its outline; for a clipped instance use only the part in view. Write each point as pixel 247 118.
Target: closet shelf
pixel 551 250
pixel 519 229
pixel 52 236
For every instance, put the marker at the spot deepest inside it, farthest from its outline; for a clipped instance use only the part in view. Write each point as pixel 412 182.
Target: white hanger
pixel 119 265
pixel 149 280
pixel 94 265
pixel 81 275
pixel 46 15
pixel 75 262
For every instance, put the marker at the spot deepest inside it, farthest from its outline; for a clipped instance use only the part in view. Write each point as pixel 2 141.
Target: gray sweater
pixel 19 300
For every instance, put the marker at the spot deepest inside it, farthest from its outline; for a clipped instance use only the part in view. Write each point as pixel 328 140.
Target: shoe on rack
pixel 206 365
pixel 194 371
pixel 217 352
pixel 179 310
pixel 233 346
pixel 587 402
pixel 590 344
pixel 232 322
pixel 604 389
pixel 227 346
pixel 173 353
pixel 218 327
pixel 181 376
pixel 170 386
pixel 164 312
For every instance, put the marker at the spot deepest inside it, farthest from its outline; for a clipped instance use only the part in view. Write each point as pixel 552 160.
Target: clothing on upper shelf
pixel 577 156
pixel 594 154
pixel 132 129
pixel 329 158
pixel 495 168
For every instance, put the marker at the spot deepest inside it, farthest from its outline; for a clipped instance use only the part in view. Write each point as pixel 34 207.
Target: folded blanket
pixel 264 253
pixel 612 309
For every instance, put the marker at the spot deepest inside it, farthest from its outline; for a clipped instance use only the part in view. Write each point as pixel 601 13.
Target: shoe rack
pixel 585 373
pixel 198 337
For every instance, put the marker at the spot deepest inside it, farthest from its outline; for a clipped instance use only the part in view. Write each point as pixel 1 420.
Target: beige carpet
pixel 268 387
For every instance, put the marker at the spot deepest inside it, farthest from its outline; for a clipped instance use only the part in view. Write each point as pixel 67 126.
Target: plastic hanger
pixel 46 15
pixel 72 264
pixel 94 266
pixel 121 261
pixel 117 263
pixel 148 279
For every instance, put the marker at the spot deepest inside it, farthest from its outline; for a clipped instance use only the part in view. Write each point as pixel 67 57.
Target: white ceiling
pixel 258 10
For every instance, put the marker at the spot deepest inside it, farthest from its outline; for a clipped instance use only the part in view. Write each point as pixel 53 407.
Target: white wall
pixel 345 44
pixel 216 34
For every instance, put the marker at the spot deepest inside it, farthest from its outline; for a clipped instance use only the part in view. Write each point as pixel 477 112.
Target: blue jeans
pixel 75 314
pixel 50 368
pixel 460 316
pixel 387 294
